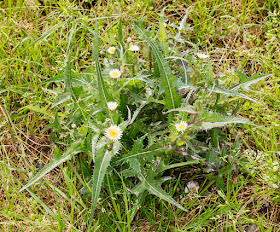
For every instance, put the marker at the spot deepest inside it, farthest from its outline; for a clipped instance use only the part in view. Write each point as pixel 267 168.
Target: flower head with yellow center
pixel 134 48
pixel 115 73
pixel 202 56
pixel 181 126
pixel 113 133
pixel 111 50
pixel 112 105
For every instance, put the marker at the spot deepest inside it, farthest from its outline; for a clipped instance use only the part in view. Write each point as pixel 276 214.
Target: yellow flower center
pixel 115 74
pixel 113 133
pixel 182 127
pixel 112 49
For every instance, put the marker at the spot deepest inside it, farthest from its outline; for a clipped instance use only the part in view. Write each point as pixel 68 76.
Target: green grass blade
pixel 75 148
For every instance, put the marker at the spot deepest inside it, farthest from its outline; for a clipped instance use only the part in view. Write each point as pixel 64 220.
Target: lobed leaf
pixel 168 81
pixel 212 120
pixel 245 84
pixel 152 186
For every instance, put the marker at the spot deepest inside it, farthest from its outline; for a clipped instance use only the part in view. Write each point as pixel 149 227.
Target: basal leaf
pixel 102 161
pixel 155 150
pixel 61 99
pixel 246 84
pixel 213 120
pixel 187 109
pixel 74 148
pixel 242 76
pixel 217 89
pixel 153 188
pixel 38 109
pixel 168 81
pixel 163 167
pixel 137 204
pixel 102 89
pixel 94 140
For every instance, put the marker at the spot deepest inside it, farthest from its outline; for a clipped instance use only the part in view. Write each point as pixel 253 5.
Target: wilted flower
pixel 111 50
pixel 202 56
pixel 115 73
pixel 192 185
pixel 181 126
pixel 113 132
pixel 112 105
pixel 134 48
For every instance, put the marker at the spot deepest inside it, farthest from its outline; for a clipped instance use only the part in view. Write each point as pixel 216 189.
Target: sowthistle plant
pixel 141 106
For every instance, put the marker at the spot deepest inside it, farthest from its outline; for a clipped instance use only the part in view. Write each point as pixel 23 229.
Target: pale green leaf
pixel 154 189
pixel 103 92
pixel 74 148
pixel 168 81
pixel 246 84
pixel 212 120
pixel 217 89
pixel 61 99
pixel 102 161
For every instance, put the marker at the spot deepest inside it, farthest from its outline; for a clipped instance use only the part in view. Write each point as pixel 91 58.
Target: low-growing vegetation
pixel 139 116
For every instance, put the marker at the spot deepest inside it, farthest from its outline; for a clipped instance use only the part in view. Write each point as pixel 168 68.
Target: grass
pixel 34 43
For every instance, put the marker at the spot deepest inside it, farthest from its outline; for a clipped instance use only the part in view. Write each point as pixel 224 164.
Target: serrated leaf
pixel 242 76
pixel 133 161
pixel 164 167
pixel 168 81
pixel 57 78
pixel 153 188
pixel 156 149
pixel 213 120
pixel 74 148
pixel 61 99
pixel 134 164
pixel 246 84
pixel 217 89
pixel 137 204
pixel 102 161
pixel 162 32
pixel 102 89
pixel 38 109
pixel 187 109
pixel 94 140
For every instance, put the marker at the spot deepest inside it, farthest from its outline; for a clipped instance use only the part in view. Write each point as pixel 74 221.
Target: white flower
pixel 113 132
pixel 181 126
pixel 112 105
pixel 73 125
pixel 111 50
pixel 192 185
pixel 134 48
pixel 202 56
pixel 115 73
